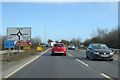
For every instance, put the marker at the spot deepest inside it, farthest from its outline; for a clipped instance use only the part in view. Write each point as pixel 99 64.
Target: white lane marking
pixel 70 55
pixel 82 62
pixel 88 65
pixel 106 76
pixel 25 64
pixel 79 60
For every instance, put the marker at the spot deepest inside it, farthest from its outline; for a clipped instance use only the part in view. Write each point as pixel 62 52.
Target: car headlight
pixel 111 53
pixel 96 52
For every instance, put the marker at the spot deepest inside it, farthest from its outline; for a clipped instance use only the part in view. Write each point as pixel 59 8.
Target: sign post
pixel 26 48
pixel 39 48
pixel 9 44
pixel 23 43
pixel 19 34
pixel 9 52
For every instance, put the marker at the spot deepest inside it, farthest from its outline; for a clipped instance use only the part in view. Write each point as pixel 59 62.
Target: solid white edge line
pixel 25 64
pixel 106 76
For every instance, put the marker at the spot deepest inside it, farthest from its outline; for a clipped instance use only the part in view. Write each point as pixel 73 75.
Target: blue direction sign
pixel 9 44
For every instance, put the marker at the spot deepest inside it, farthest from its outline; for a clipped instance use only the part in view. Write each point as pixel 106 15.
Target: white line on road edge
pixel 106 76
pixel 25 64
pixel 82 62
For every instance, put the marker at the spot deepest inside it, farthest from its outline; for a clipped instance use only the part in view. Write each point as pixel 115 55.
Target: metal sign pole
pixel 18 33
pixel 8 55
pixel 19 50
pixel 13 52
pixel 45 37
pixel 9 52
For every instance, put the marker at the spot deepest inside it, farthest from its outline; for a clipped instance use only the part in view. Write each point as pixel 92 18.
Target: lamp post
pixel 45 36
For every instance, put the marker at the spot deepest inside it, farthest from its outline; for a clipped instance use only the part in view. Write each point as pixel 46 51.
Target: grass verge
pixel 21 56
pixel 117 53
pixel 81 48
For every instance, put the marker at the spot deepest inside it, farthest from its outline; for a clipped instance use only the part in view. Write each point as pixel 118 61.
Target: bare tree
pixel 49 40
pixel 103 36
pixel 4 38
pixel 76 41
pixel 99 32
pixel 36 42
pixel 0 42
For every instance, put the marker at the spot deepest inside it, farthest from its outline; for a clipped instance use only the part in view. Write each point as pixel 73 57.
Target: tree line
pixel 110 38
pixel 74 41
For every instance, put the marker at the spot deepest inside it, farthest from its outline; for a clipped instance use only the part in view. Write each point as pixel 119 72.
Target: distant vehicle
pixel 71 47
pixel 51 44
pixel 99 51
pixel 45 45
pixel 81 46
pixel 59 48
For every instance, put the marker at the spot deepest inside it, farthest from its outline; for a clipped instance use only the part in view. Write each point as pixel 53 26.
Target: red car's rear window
pixel 58 45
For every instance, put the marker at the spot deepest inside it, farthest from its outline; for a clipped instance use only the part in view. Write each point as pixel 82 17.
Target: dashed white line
pixel 70 55
pixel 25 65
pixel 79 60
pixel 82 62
pixel 106 76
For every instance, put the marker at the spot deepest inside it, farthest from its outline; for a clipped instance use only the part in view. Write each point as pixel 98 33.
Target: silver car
pixel 71 47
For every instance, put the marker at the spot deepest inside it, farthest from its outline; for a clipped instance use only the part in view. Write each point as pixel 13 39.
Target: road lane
pixel 108 67
pixel 48 66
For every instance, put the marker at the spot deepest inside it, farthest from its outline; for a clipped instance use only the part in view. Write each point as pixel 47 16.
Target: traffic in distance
pixel 71 46
pixel 99 59
pixel 85 35
pixel 94 51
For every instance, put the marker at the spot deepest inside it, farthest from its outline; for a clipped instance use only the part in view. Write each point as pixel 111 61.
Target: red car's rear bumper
pixel 61 51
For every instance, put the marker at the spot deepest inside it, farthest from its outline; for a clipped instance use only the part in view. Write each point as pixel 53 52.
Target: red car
pixel 59 48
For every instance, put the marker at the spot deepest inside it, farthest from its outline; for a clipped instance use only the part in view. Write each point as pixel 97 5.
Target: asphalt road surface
pixel 74 65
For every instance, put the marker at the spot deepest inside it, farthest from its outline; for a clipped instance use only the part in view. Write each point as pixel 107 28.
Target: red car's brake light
pixel 63 48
